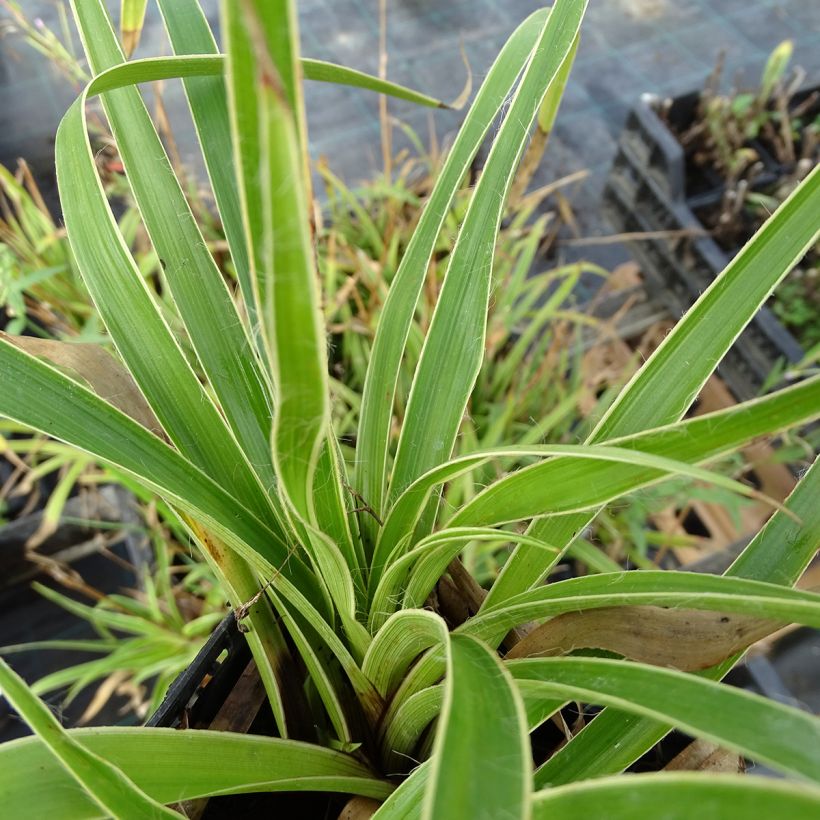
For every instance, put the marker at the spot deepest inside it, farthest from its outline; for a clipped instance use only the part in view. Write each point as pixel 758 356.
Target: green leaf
pixel 480 766
pixel 403 637
pixel 333 515
pixel 246 136
pixel 399 308
pixel 199 290
pixel 189 33
pixel 687 590
pixel 422 567
pixel 406 723
pixel 454 345
pixel 141 336
pixel 531 492
pixel 566 481
pixel 768 732
pixel 405 802
pixel 319 667
pixel 290 313
pixel 793 545
pixel 667 384
pixel 782 540
pixel 783 549
pixel 757 602
pixel 678 796
pixel 212 763
pixel 39 396
pixel 106 785
pixel 342 75
pixel 665 387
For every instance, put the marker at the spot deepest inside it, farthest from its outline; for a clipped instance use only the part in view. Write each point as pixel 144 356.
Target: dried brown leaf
pixel 704 756
pixel 97 368
pixel 686 639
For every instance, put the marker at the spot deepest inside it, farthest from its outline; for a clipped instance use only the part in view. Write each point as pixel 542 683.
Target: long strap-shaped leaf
pixel 223 448
pixel 173 765
pixel 189 33
pixel 244 113
pixel 781 736
pixel 454 346
pixel 764 604
pixel 681 589
pixel 613 741
pixel 593 750
pixel 41 397
pixel 287 293
pixel 664 388
pixel 397 313
pixel 184 66
pixel 323 71
pixel 292 321
pixel 480 766
pixel 527 493
pixel 141 336
pixel 200 292
pixel 555 484
pixel 288 286
pixel 678 796
pixel 106 785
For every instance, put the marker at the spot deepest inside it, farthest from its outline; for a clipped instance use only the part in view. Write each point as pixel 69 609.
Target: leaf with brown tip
pixel 98 369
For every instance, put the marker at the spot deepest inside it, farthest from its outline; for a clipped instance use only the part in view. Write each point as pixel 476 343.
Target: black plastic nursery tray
pixel 648 192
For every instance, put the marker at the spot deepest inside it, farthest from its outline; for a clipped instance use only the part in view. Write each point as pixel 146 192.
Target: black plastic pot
pixel 73 539
pixel 195 697
pixel 646 191
pixel 27 616
pixel 221 670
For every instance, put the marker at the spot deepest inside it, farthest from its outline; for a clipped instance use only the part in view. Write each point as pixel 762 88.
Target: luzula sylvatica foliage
pixel 347 556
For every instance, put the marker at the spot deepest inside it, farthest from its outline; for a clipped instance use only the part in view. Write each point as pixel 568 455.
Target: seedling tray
pixel 646 192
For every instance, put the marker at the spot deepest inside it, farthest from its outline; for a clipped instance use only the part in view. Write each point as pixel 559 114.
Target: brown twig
pixel 365 506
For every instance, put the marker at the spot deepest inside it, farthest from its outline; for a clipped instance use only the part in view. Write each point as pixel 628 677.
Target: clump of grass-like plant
pixel 347 560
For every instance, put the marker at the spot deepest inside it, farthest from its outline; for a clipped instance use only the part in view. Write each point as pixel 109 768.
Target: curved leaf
pixel 404 636
pixel 454 346
pixel 688 590
pixel 213 762
pixel 106 785
pixel 679 796
pixel 694 440
pixel 199 290
pixel 667 384
pixel 480 766
pixel 783 548
pixel 764 730
pixel 397 313
pixel 422 567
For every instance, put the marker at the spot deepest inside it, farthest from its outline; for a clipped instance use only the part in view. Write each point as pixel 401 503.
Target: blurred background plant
pixel 758 144
pixel 147 635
